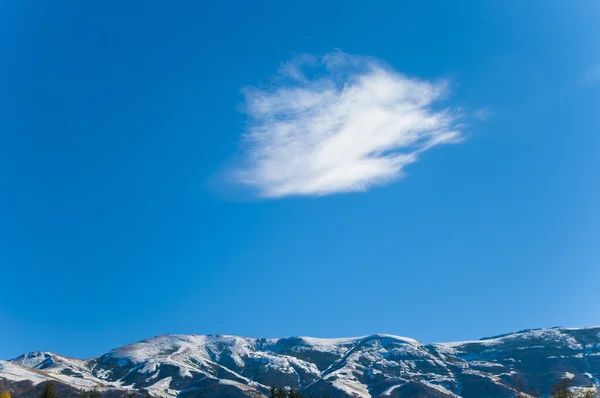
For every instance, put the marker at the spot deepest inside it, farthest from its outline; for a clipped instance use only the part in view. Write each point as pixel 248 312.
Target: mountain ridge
pixel 377 365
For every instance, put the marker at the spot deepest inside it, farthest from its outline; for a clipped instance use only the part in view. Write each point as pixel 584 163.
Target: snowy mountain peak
pixel 36 359
pixel 378 365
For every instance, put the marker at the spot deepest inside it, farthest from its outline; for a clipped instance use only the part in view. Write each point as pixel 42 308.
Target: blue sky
pixel 222 167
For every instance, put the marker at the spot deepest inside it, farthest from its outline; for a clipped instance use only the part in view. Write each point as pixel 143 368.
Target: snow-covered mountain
pixel 369 366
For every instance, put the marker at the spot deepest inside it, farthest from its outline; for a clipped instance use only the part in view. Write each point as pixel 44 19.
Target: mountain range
pixel 378 365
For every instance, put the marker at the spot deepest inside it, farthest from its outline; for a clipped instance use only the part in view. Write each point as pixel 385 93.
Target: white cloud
pixel 339 123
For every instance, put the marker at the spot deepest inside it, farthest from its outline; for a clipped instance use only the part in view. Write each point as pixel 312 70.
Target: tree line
pixel 289 393
pixel 562 389
pixel 49 391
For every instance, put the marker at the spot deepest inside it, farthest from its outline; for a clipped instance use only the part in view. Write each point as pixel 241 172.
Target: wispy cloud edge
pixel 340 123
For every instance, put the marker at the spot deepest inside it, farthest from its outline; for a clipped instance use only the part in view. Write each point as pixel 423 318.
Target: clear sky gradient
pixel 120 123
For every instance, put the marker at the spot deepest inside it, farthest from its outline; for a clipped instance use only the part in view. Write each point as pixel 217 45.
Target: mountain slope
pixel 369 366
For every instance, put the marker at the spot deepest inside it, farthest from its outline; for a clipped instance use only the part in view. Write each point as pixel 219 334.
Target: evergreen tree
pixel 49 391
pixel 273 391
pixel 94 393
pixel 591 392
pixel 562 389
pixel 281 393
